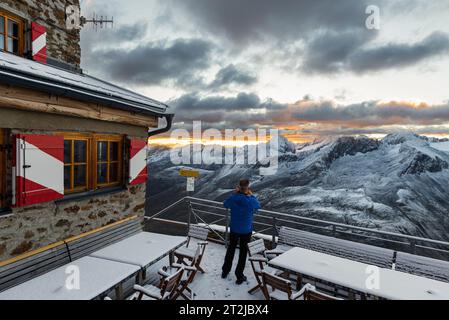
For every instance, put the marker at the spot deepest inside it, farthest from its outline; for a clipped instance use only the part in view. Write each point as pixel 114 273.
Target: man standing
pixel 242 204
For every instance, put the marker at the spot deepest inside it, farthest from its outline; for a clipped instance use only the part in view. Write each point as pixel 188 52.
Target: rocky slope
pixel 400 183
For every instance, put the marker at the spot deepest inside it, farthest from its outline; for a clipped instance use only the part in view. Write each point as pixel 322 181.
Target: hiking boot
pixel 240 280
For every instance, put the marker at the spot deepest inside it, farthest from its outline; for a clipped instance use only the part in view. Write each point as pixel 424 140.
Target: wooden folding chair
pixel 198 235
pixel 168 290
pixel 191 270
pixel 281 289
pixel 310 293
pixel 259 262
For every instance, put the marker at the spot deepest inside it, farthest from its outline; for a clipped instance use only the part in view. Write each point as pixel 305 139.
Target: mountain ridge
pixel 398 183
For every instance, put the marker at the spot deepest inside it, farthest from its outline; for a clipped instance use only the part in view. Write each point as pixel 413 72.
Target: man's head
pixel 244 185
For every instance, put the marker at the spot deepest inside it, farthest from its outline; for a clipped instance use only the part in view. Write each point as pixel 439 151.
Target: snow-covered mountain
pixel 400 183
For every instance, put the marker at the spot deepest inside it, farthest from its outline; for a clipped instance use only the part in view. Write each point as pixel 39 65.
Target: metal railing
pixel 213 215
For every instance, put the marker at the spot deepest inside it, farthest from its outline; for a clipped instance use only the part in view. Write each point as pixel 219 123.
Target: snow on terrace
pixel 210 285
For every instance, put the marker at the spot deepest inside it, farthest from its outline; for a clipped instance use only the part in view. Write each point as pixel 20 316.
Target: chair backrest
pixel 90 242
pixel 198 232
pixel 171 283
pixel 312 294
pixel 256 247
pixel 423 266
pixel 32 264
pixel 278 283
pixel 360 252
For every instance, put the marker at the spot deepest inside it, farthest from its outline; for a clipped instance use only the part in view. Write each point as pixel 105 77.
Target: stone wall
pixel 32 227
pixel 62 44
pixel 36 226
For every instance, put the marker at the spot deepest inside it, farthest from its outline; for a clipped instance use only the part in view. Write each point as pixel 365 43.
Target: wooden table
pixel 142 250
pixel 97 277
pixel 393 285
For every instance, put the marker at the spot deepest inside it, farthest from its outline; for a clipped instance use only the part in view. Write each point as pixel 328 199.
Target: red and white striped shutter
pixel 39 42
pixel 38 169
pixel 138 172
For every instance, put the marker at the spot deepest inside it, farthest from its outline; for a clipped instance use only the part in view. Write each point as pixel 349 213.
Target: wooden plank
pixel 31 100
pixel 99 229
pixel 31 253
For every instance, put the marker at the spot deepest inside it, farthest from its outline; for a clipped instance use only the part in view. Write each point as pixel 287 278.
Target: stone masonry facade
pixel 62 44
pixel 36 226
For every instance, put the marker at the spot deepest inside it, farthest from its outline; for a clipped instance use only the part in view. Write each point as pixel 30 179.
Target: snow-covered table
pixel 96 277
pixel 143 249
pixel 393 285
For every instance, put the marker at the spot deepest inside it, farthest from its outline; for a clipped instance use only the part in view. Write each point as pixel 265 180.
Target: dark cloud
pixel 91 39
pixel 370 113
pixel 329 51
pixel 156 62
pixel 332 52
pixel 232 75
pixel 243 22
pixel 399 55
pixel 248 110
pixel 192 102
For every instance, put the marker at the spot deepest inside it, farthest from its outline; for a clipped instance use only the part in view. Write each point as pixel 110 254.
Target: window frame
pixel 21 38
pixel 73 164
pixel 92 161
pixel 119 161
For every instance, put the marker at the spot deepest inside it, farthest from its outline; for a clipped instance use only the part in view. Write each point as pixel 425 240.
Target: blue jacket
pixel 242 209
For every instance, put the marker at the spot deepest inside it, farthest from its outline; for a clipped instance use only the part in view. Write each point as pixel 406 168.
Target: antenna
pixel 98 21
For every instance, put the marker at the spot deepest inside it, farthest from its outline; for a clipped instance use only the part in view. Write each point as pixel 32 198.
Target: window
pixel 11 34
pixel 92 162
pixel 108 161
pixel 76 164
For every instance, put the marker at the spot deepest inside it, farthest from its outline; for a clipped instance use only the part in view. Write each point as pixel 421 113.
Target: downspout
pixel 169 118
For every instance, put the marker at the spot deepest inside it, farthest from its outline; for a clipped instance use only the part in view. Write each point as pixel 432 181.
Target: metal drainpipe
pixel 169 118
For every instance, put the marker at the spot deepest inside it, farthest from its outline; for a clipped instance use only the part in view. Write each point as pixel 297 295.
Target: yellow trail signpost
pixel 191 175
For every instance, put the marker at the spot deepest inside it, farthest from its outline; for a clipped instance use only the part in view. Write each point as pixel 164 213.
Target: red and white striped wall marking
pixel 138 172
pixel 39 169
pixel 39 42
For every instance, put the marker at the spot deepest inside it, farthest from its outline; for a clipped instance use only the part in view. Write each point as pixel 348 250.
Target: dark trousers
pixel 242 240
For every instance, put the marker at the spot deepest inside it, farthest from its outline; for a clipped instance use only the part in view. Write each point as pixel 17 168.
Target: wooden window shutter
pixel 138 171
pixel 39 42
pixel 38 169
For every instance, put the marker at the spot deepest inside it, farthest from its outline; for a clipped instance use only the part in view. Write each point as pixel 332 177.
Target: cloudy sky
pixel 310 67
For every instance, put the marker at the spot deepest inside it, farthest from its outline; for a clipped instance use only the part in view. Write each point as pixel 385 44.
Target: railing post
pixel 273 239
pixel 227 229
pixel 189 209
pixel 413 246
pixel 334 231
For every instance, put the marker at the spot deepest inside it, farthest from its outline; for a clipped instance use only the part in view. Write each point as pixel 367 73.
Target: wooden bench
pixel 423 266
pixel 35 263
pixel 30 265
pixel 87 243
pixel 364 253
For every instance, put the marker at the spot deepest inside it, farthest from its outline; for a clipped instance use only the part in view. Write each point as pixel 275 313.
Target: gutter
pixel 169 117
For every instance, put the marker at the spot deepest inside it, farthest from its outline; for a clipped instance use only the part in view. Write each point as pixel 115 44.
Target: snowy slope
pixel 397 184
